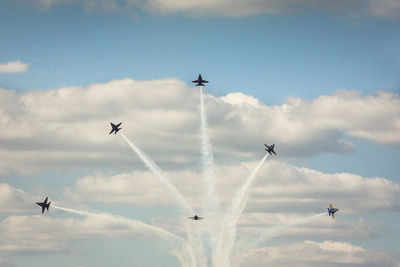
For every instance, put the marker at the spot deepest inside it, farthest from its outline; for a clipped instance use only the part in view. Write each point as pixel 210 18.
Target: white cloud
pixel 13 66
pixel 388 9
pixel 69 126
pixel 280 188
pixel 13 200
pixel 38 234
pixel 311 253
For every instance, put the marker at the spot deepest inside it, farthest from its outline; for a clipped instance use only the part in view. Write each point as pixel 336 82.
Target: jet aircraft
pixel 200 81
pixel 44 204
pixel 270 149
pixel 331 211
pixel 115 128
pixel 196 218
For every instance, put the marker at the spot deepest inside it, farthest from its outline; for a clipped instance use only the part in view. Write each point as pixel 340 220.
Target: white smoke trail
pixel 211 202
pixel 140 226
pixel 266 235
pixel 151 165
pixel 228 233
pixel 276 230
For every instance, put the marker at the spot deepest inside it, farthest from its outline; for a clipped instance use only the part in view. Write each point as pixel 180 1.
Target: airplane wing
pixel 330 205
pixel 42 209
pixel 112 130
pixel 266 145
pixel 274 152
pixel 200 218
pixel 195 81
pixel 119 124
pixel 191 218
pixel 333 216
pixel 205 81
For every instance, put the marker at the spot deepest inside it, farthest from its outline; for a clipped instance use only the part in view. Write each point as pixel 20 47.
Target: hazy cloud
pixel 326 253
pixel 13 67
pixel 13 200
pixel 386 9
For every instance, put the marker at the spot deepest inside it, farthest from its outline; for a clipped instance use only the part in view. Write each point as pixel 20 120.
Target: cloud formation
pixel 69 126
pixel 326 253
pixel 386 9
pixel 13 67
pixel 280 187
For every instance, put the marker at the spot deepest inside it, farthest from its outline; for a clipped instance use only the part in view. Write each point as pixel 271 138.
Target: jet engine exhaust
pixel 151 165
pixel 228 234
pixel 140 226
pixel 210 205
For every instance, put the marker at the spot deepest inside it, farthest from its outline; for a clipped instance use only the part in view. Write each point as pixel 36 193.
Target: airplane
pixel 200 81
pixel 331 211
pixel 270 149
pixel 44 204
pixel 196 218
pixel 115 128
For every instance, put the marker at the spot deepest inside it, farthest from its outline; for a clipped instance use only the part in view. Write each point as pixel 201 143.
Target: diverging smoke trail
pixel 143 227
pixel 151 165
pixel 228 234
pixel 276 230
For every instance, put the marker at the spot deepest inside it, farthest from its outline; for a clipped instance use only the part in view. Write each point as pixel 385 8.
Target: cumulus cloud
pixel 387 9
pixel 69 126
pixel 13 200
pixel 38 234
pixel 13 67
pixel 280 187
pixel 312 253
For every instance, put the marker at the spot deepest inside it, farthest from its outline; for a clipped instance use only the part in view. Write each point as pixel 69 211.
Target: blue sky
pixel 286 61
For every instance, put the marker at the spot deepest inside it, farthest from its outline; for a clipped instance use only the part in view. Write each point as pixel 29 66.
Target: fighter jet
pixel 196 218
pixel 200 81
pixel 44 204
pixel 270 149
pixel 115 128
pixel 331 211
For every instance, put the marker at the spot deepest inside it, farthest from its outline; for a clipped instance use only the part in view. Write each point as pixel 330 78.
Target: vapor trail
pixel 211 202
pixel 272 233
pixel 207 159
pixel 140 226
pixel 151 165
pixel 228 234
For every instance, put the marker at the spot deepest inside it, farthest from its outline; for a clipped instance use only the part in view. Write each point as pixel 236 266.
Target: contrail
pixel 138 225
pixel 210 205
pixel 266 235
pixel 276 230
pixel 228 234
pixel 207 160
pixel 151 165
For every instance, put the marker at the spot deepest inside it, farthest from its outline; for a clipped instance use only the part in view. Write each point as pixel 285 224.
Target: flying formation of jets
pixel 44 204
pixel 199 82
